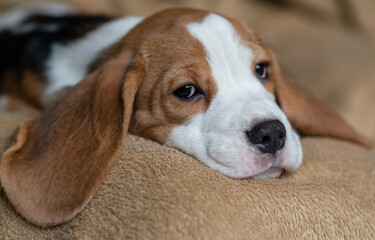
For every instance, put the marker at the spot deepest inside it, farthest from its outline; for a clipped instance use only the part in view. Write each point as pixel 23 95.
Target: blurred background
pixel 329 45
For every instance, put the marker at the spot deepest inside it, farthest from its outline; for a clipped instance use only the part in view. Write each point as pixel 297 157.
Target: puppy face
pixel 209 91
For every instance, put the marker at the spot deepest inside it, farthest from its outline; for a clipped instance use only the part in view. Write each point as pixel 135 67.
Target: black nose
pixel 268 137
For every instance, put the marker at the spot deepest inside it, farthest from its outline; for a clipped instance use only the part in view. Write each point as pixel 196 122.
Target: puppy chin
pixel 272 172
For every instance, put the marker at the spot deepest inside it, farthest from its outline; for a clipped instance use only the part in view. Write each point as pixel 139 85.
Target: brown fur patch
pixel 24 86
pixel 157 111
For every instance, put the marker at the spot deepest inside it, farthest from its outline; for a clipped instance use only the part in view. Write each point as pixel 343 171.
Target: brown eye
pixel 261 71
pixel 186 92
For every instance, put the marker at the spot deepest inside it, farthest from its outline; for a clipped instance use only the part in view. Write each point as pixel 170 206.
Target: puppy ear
pixel 57 162
pixel 309 116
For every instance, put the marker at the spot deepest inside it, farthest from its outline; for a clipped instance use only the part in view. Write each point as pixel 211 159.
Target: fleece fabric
pixel 156 192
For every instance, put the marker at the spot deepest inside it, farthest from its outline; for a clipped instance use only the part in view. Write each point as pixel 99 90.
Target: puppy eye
pixel 261 71
pixel 186 92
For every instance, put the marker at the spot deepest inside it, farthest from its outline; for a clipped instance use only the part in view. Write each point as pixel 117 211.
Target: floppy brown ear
pixel 57 162
pixel 309 116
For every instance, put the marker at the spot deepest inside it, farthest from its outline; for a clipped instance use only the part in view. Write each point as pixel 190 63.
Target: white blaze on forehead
pixel 217 137
pixel 229 59
pixel 231 66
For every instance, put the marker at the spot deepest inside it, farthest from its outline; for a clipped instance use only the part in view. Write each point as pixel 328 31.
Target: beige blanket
pixel 155 192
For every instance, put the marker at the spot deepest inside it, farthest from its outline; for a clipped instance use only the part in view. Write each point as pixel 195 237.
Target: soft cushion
pixel 155 192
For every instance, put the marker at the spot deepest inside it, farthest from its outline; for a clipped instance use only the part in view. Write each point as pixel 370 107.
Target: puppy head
pixel 213 89
pixel 199 82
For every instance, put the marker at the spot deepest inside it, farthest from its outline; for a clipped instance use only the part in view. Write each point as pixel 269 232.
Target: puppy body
pixel 50 47
pixel 194 80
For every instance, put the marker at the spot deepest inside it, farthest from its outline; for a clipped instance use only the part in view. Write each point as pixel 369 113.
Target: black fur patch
pixel 28 46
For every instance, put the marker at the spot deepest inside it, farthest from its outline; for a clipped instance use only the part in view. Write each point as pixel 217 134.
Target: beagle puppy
pixel 190 79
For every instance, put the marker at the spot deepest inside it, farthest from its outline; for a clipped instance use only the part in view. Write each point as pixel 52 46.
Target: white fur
pixel 12 18
pixel 68 64
pixel 217 137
